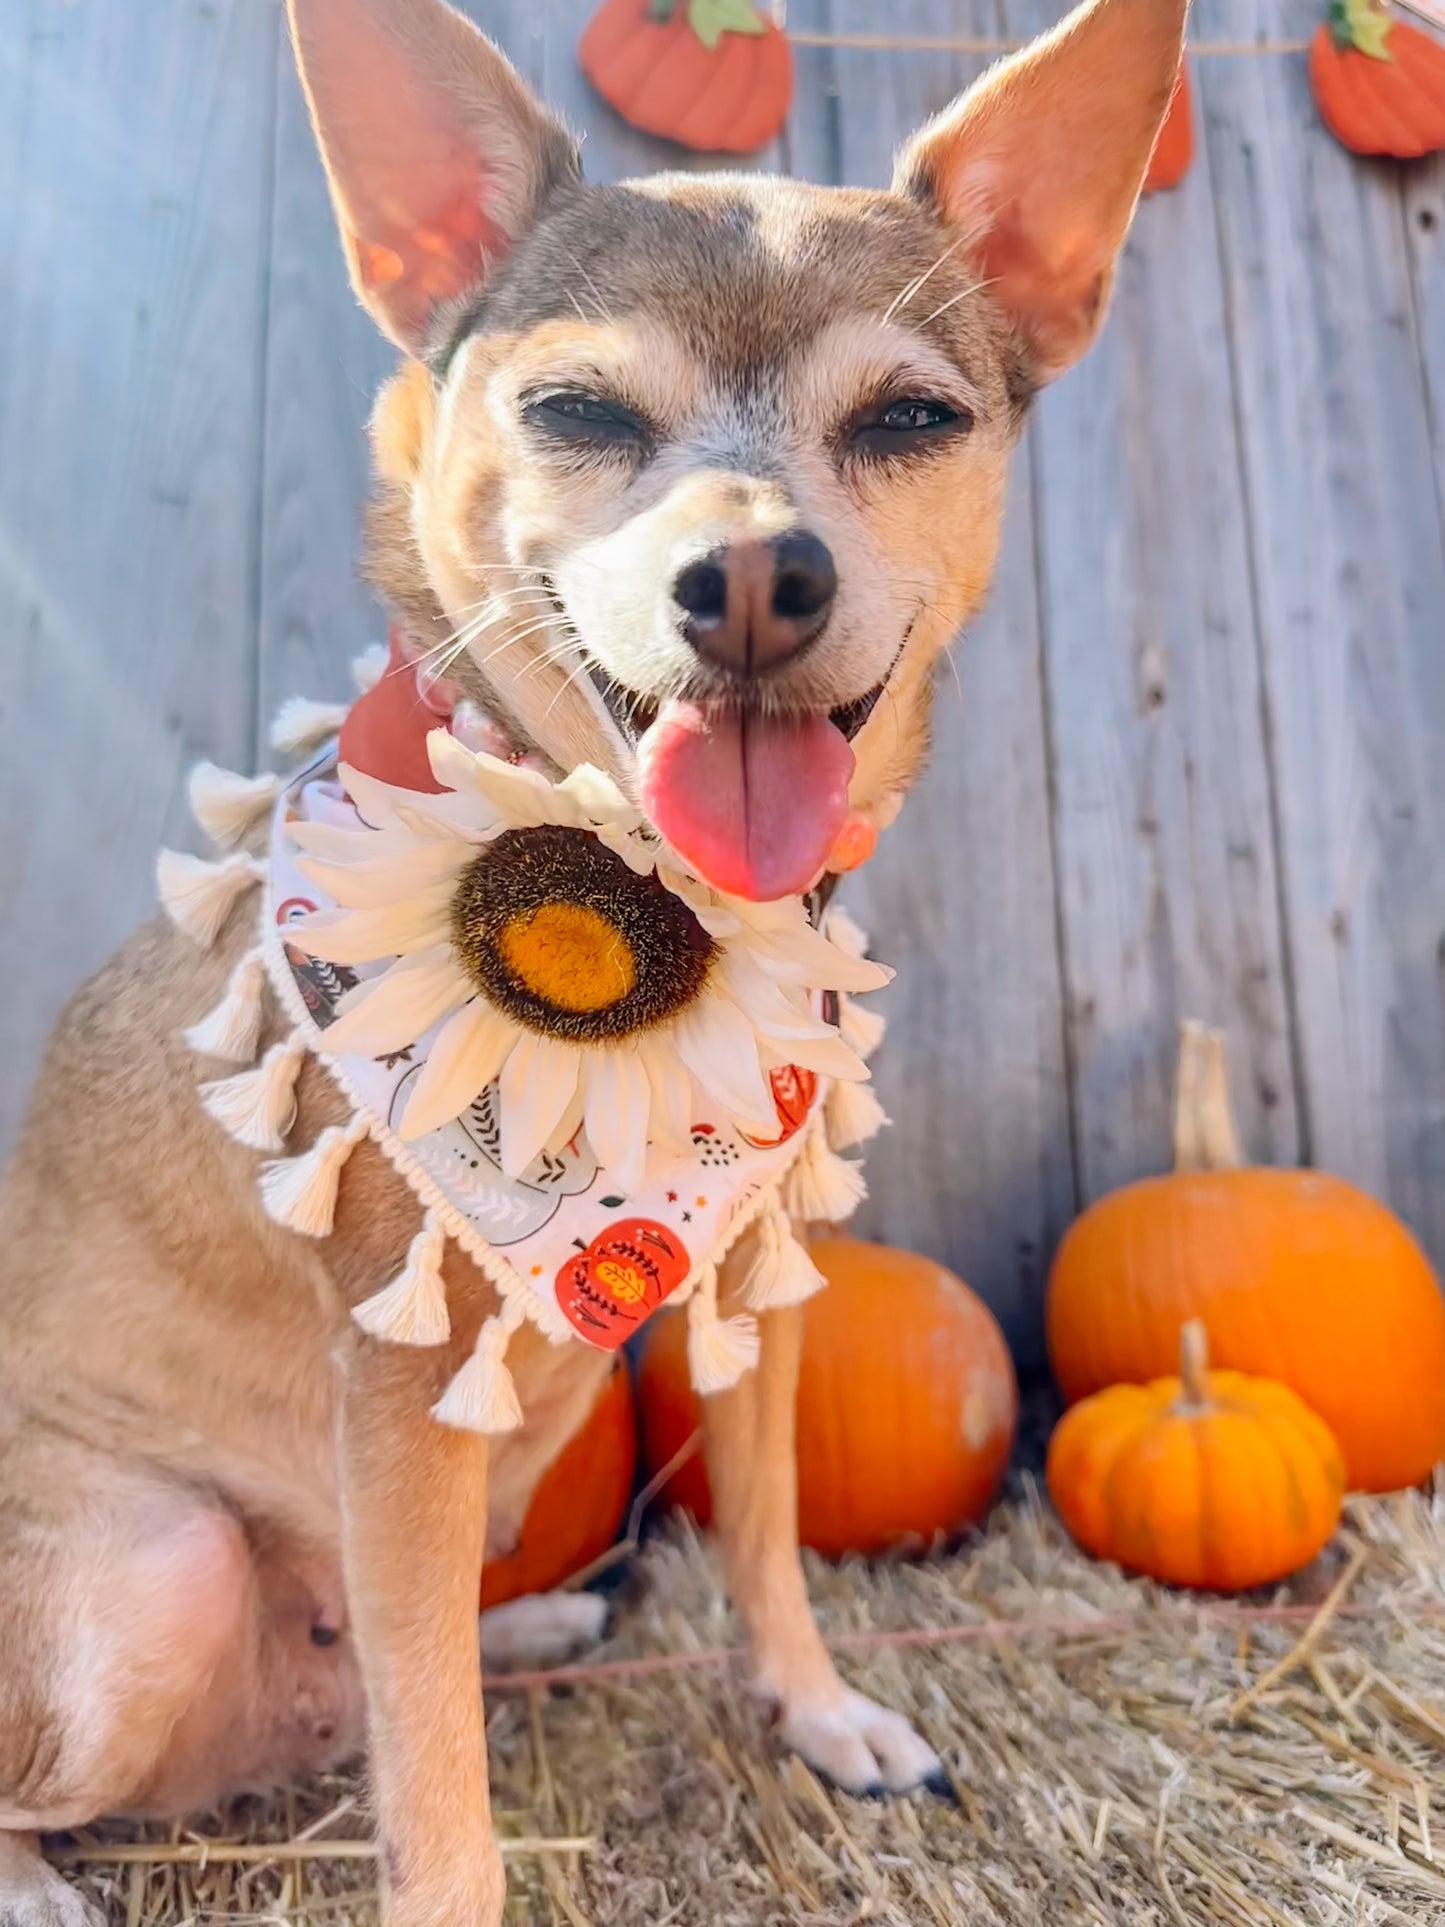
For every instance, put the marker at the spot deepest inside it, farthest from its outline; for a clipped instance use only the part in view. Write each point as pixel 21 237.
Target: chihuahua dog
pixel 727 443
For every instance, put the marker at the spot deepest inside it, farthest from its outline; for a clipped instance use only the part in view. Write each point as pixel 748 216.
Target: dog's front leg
pixel 749 1445
pixel 414 1514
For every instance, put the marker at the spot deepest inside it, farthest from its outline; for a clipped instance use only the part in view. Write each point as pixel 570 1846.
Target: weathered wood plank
pixel 135 166
pixel 1350 575
pixel 1168 896
pixel 1423 184
pixel 976 1169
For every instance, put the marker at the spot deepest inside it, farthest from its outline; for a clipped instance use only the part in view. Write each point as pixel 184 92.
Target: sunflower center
pixel 569 955
pixel 555 929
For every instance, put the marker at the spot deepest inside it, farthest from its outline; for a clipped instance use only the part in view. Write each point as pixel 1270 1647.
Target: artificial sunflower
pixel 565 954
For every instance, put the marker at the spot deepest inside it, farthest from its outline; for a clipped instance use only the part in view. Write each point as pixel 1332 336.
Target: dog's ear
pixel 1038 166
pixel 437 154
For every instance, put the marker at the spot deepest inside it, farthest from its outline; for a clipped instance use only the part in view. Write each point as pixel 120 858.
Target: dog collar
pixel 595 1073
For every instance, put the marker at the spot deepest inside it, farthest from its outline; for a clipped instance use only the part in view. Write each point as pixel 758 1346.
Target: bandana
pixel 587 1205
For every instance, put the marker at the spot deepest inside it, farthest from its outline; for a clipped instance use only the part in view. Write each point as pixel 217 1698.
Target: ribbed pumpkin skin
pixel 1174 149
pixel 1394 106
pixel 906 1403
pixel 579 1502
pixel 1234 1494
pixel 1298 1276
pixel 730 99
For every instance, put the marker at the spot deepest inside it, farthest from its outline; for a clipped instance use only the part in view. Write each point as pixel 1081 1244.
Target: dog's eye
pixel 892 428
pixel 576 417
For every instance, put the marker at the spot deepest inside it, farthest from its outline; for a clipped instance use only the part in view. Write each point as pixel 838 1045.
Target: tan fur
pixel 203 1464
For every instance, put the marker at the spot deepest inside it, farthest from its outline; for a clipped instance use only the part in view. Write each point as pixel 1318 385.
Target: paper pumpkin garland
pixel 1379 83
pixel 716 75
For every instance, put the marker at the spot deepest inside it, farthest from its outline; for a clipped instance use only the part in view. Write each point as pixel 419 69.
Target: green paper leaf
pixel 611 1204
pixel 1363 25
pixel 711 19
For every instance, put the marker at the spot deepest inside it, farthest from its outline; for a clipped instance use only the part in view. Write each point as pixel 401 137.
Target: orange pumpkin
pixel 1379 83
pixel 906 1403
pixel 712 74
pixel 1299 1277
pixel 1174 149
pixel 579 1503
pixel 1209 1479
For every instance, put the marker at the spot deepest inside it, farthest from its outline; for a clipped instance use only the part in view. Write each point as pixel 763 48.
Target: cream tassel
pixel 482 1397
pixel 412 1309
pixel 853 1114
pixel 719 1350
pixel 257 1107
pixel 781 1272
pixel 300 1193
pixel 198 896
pixel 369 667
pixel 302 724
pixel 227 806
pixel 823 1188
pixel 846 932
pixel 861 1030
pixel 231 1030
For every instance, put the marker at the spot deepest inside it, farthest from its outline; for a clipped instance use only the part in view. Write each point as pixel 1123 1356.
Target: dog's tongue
pixel 753 803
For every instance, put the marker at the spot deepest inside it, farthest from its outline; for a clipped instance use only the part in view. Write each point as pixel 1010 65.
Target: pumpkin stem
pixel 1206 1137
pixel 1194 1363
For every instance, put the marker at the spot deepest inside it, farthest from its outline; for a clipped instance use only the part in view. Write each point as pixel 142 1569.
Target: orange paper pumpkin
pixel 906 1403
pixel 1174 149
pixel 1378 82
pixel 1209 1479
pixel 1298 1276
pixel 579 1503
pixel 713 74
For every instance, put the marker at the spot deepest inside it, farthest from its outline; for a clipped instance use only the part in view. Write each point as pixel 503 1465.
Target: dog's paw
pixel 543 1629
pixel 861 1747
pixel 46 1900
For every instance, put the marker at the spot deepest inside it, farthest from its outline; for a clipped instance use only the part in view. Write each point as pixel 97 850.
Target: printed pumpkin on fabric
pixel 716 75
pixel 594 1071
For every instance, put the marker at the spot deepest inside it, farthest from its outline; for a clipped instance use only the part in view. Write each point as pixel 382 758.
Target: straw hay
pixel 1122 1758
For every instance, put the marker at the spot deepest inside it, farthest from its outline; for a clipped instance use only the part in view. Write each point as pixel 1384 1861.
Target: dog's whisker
pixel 906 293
pixel 954 299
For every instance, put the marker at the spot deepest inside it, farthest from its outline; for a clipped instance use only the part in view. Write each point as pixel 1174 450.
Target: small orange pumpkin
pixel 712 74
pixel 1299 1277
pixel 1379 83
pixel 906 1403
pixel 1209 1479
pixel 1174 149
pixel 579 1502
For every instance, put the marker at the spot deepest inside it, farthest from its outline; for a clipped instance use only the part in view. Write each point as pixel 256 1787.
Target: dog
pixel 729 448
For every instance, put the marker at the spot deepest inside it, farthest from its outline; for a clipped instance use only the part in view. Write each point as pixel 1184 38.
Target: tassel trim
pixel 227 806
pixel 303 725
pixel 781 1272
pixel 412 1309
pixel 232 1029
pixel 482 1396
pixel 845 931
pixel 719 1350
pixel 198 896
pixel 853 1115
pixel 861 1030
pixel 369 667
pixel 823 1188
pixel 257 1107
pixel 300 1193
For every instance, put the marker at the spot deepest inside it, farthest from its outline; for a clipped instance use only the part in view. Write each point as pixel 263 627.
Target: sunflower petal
pixel 770 1007
pixel 522 798
pixel 670 1123
pixel 539 1080
pixel 382 880
pixel 619 1098
pixel 718 1045
pixel 363 936
pixel 468 1053
pixel 392 1011
pixel 337 845
pixel 803 955
pixel 829 1056
pixel 598 798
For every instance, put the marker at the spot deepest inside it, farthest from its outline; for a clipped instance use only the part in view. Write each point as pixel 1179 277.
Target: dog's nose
pixel 750 605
